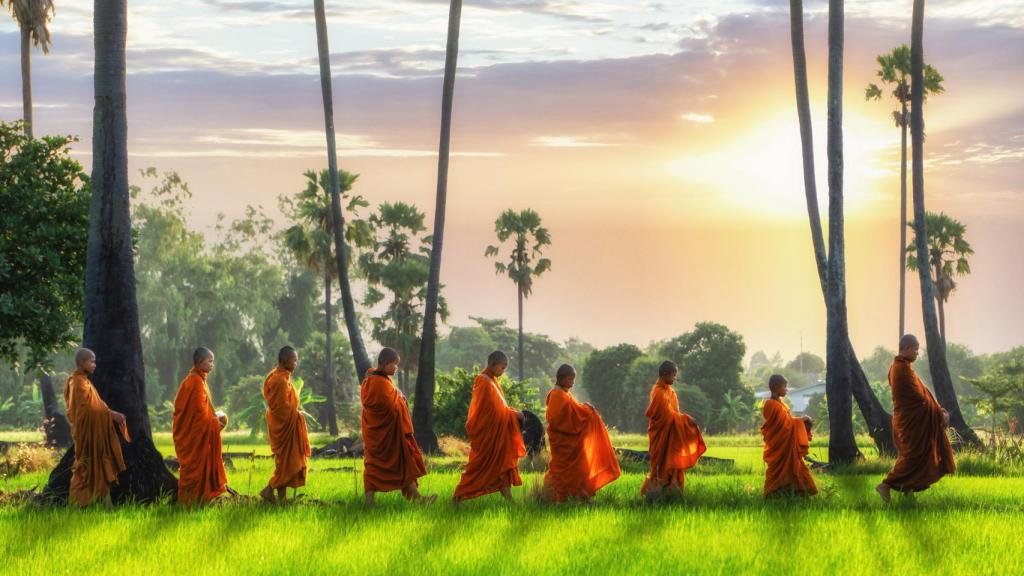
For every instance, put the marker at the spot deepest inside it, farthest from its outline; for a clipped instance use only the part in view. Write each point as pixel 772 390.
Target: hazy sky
pixel 658 141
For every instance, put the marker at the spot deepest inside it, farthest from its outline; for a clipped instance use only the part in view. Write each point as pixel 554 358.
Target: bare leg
pixel 107 502
pixel 282 494
pixel 268 494
pixel 883 490
pixel 506 493
pixel 412 493
pixel 369 497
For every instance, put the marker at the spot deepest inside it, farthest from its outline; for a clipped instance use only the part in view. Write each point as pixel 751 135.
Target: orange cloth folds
pixel 496 444
pixel 391 457
pixel 286 430
pixel 582 457
pixel 98 458
pixel 786 442
pixel 675 440
pixel 925 454
pixel 196 432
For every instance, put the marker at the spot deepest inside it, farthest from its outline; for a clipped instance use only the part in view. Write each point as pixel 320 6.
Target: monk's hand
pixel 118 418
pixel 809 420
pixel 223 419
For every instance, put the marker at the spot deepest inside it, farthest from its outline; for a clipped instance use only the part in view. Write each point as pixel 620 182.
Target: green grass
pixel 967 524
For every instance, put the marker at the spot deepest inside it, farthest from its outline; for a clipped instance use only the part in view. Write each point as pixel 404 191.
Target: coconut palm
pixel 524 262
pixel 33 17
pixel 894 72
pixel 947 257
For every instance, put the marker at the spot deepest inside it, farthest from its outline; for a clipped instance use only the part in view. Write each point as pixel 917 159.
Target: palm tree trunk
pixel 903 217
pixel 329 411
pixel 355 337
pixel 111 310
pixel 939 281
pixel 55 424
pixel 26 79
pixel 522 353
pixel 941 380
pixel 423 405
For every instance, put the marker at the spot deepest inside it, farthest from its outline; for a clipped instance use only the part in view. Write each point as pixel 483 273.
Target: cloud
pixel 568 142
pixel 698 118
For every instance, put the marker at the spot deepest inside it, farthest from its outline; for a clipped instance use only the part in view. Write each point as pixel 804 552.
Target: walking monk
pixel 94 429
pixel 196 430
pixel 786 442
pixel 286 428
pixel 918 427
pixel 582 458
pixel 675 440
pixel 495 443
pixel 391 457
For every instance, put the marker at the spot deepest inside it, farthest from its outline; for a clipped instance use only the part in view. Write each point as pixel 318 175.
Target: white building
pixel 798 398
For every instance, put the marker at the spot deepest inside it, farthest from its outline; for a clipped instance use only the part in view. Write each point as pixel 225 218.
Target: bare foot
pixel 456 501
pixel 426 500
pixel 268 495
pixel 883 491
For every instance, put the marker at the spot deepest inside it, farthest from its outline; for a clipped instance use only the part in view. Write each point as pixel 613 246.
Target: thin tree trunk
pixel 941 381
pixel 329 411
pixel 111 310
pixel 903 218
pixel 55 424
pixel 940 279
pixel 355 337
pixel 26 79
pixel 423 406
pixel 522 353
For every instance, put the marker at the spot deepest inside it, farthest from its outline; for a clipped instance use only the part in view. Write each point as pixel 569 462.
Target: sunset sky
pixel 658 141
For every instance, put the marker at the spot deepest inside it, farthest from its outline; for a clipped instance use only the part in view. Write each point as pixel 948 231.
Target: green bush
pixel 455 390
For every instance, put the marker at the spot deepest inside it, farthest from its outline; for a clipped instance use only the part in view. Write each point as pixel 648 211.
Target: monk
pixel 196 429
pixel 94 433
pixel 286 428
pixel 495 443
pixel 391 457
pixel 918 427
pixel 582 457
pixel 675 440
pixel 786 442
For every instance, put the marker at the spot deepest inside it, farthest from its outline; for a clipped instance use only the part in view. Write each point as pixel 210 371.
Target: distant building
pixel 798 398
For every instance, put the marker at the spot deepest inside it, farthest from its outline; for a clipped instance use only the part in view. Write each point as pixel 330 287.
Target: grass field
pixel 971 523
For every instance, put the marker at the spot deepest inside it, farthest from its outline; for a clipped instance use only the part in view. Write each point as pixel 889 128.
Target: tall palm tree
pixel 33 17
pixel 894 70
pixel 355 337
pixel 947 257
pixel 111 311
pixel 423 406
pixel 524 263
pixel 878 419
pixel 941 380
pixel 309 240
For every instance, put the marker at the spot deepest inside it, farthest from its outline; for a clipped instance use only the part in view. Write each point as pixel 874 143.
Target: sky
pixel 657 140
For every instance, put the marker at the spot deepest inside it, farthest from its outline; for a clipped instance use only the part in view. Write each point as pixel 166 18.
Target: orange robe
pixel 196 432
pixel 675 440
pixel 495 443
pixel 925 454
pixel 98 458
pixel 582 457
pixel 286 430
pixel 786 442
pixel 391 457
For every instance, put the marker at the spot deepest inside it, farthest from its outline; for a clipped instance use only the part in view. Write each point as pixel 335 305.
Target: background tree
pixel 941 381
pixel 894 72
pixel 397 270
pixel 606 376
pixel 309 241
pixel 423 407
pixel 947 257
pixel 524 261
pixel 33 18
pixel 111 312
pixel 1000 390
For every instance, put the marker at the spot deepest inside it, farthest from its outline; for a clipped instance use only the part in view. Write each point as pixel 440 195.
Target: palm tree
pixel 524 263
pixel 894 70
pixel 32 16
pixel 937 364
pixel 111 311
pixel 423 407
pixel 309 240
pixel 355 337
pixel 878 419
pixel 947 256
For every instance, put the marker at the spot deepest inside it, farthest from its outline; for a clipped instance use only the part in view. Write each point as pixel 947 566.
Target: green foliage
pixel 948 252
pixel 44 228
pixel 455 391
pixel 529 238
pixel 894 71
pixel 245 405
pixel 616 388
pixel 876 366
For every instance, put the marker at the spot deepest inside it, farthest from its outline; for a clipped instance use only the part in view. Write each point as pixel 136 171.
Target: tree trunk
pixel 329 411
pixel 903 218
pixel 522 353
pixel 941 381
pixel 55 424
pixel 423 406
pixel 26 79
pixel 940 280
pixel 355 337
pixel 111 311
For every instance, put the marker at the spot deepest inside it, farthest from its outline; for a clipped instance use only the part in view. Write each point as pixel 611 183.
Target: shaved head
pixel 667 367
pixel 387 356
pixel 497 357
pixel 909 341
pixel 286 354
pixel 564 371
pixel 776 380
pixel 200 354
pixel 83 354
